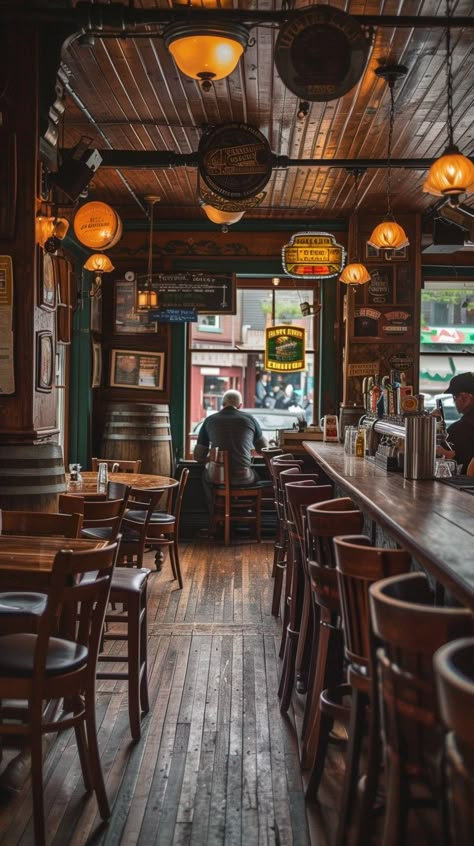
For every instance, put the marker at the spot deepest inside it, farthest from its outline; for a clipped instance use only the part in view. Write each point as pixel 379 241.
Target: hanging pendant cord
pixel 449 70
pixel 150 247
pixel 389 152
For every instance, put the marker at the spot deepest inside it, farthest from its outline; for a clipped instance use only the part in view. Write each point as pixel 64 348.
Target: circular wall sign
pixel 235 160
pixel 321 53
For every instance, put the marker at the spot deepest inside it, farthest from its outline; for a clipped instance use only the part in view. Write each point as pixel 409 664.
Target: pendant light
pixel 355 273
pixel 389 235
pixel 147 298
pixel 220 216
pixel 206 51
pixel 452 174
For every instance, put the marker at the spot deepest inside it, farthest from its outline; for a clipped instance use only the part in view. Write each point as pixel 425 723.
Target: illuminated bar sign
pixel 313 255
pixel 285 348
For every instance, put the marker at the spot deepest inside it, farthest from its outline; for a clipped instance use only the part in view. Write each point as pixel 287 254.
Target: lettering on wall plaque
pixel 313 255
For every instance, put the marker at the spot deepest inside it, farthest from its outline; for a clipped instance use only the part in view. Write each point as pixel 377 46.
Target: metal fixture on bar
pixel 206 51
pixel 389 235
pixel 355 273
pixel 147 298
pixel 452 174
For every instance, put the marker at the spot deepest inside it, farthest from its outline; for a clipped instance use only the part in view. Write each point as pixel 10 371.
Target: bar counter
pixel 431 520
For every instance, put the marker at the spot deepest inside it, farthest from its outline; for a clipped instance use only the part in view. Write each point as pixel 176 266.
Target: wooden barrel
pixel 31 476
pixel 139 431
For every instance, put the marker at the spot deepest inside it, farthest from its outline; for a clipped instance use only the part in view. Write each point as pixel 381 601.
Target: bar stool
pixel 277 466
pixel 454 672
pixel 325 520
pixel 358 566
pixel 299 493
pixel 411 629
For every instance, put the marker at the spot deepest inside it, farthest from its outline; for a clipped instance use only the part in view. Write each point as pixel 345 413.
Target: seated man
pixel 238 433
pixel 461 432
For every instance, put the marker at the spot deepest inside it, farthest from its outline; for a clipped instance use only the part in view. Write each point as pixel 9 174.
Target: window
pixel 227 351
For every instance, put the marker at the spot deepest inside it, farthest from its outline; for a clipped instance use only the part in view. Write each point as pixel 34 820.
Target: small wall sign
pixel 364 368
pixel 313 255
pixel 285 348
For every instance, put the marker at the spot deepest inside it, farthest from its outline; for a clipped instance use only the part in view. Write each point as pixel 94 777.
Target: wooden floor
pixel 217 763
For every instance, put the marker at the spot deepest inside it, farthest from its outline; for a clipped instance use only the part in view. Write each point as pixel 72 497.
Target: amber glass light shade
pixel 355 274
pixel 99 263
pixel 96 225
pixel 218 216
pixel 388 235
pixel 61 226
pixel 450 175
pixel 206 52
pixel 44 227
pixel 146 299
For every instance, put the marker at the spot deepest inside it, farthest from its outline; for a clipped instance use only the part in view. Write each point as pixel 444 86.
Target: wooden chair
pixel 299 493
pixel 410 629
pixel 21 610
pixel 101 518
pixel 135 521
pixel 359 565
pixel 45 666
pixel 277 465
pixel 325 520
pixel 163 528
pixel 231 505
pixel 120 465
pixel 454 674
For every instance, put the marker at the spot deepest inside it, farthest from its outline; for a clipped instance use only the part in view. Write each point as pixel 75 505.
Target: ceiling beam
pixel 156 159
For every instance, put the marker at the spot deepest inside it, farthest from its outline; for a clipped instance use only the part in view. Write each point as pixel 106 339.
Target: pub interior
pixel 275 198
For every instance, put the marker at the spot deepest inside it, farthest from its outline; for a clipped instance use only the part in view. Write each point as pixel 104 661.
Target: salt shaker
pixel 102 476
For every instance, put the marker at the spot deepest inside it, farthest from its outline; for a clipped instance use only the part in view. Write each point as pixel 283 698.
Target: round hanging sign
pixel 321 53
pixel 97 225
pixel 235 160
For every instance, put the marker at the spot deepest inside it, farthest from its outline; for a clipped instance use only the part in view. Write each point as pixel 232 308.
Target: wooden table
pixel 26 561
pixel 433 521
pixel 143 481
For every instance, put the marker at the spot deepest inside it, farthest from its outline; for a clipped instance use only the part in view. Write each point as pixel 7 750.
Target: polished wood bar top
pixel 433 521
pixel 143 481
pixel 27 554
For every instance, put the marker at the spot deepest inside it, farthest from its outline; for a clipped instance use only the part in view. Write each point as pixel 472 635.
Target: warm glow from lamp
pixel 206 52
pixel 450 175
pixel 355 274
pixel 44 227
pixel 219 216
pixel 146 299
pixel 61 226
pixel 96 225
pixel 388 235
pixel 99 263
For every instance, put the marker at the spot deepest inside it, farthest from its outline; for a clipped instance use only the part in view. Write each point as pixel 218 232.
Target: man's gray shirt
pixel 238 433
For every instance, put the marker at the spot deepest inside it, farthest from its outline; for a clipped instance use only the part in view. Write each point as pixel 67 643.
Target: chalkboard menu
pixel 208 293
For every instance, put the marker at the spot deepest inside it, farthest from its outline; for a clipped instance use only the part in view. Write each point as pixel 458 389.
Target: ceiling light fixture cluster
pixel 355 273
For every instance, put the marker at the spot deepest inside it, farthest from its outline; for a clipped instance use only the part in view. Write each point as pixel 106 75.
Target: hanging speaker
pixel 77 170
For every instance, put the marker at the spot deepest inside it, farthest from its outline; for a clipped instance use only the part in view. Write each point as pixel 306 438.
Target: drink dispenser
pixel 420 447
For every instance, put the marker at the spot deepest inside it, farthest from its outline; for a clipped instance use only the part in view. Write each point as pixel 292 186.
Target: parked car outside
pixel 270 420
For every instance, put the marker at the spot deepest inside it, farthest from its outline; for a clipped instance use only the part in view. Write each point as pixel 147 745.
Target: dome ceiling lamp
pixel 355 273
pixel 206 51
pixel 223 218
pixel 147 298
pixel 389 235
pixel 452 174
pixel 98 263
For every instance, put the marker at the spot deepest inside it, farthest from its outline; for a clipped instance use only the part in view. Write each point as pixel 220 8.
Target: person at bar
pixel 238 433
pixel 461 432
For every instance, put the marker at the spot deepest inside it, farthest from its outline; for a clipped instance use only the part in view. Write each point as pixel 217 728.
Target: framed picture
pixel 389 255
pixel 46 270
pixel 137 369
pixel 96 379
pixel 44 361
pixel 127 321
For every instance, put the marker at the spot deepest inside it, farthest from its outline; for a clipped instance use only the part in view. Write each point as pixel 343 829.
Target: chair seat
pixel 101 533
pixel 129 578
pixel 156 517
pixel 17 655
pixel 22 603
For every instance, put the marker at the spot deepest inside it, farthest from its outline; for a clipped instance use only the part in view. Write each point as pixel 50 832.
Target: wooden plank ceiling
pixel 127 94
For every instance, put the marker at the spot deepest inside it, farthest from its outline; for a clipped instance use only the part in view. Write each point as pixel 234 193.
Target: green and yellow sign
pixel 285 348
pixel 313 255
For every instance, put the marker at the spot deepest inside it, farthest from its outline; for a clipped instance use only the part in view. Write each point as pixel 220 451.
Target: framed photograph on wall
pixel 46 271
pixel 96 379
pixel 127 320
pixel 44 361
pixel 137 369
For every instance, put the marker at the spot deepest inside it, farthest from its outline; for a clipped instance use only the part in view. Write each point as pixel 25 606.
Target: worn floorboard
pixel 217 765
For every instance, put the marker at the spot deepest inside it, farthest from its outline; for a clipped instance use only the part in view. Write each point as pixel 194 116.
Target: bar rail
pixel 434 522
